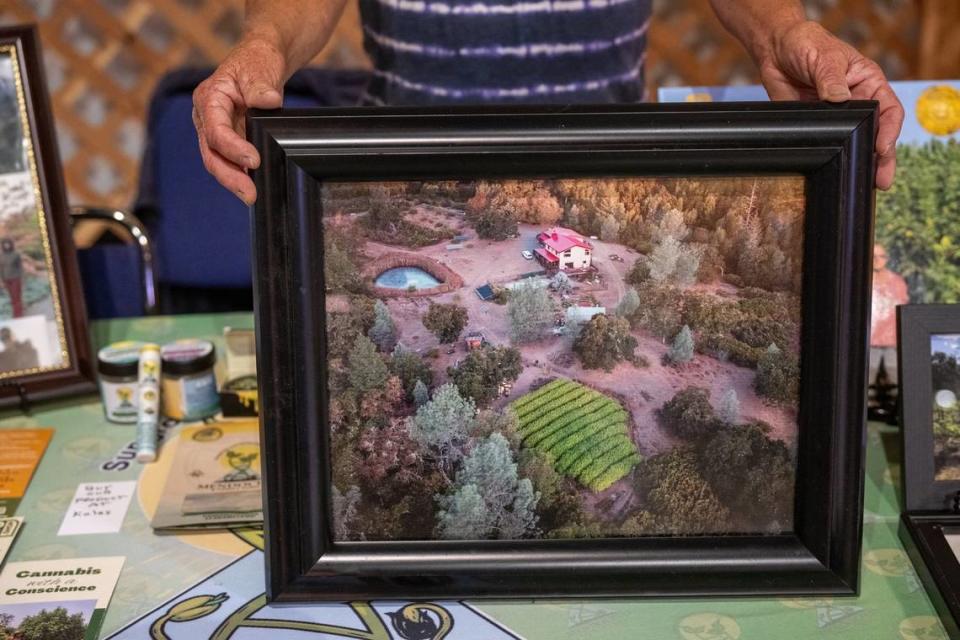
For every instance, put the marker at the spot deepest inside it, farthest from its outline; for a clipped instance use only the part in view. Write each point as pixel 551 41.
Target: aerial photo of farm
pixel 563 358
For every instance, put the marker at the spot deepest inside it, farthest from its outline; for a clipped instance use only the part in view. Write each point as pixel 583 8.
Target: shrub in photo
pixel 689 413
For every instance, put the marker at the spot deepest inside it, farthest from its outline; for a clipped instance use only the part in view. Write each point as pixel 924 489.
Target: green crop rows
pixel 583 431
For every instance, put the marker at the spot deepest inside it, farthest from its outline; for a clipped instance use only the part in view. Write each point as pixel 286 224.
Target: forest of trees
pixel 415 457
pixel 418 463
pixel 746 230
pixel 724 476
pixel 918 221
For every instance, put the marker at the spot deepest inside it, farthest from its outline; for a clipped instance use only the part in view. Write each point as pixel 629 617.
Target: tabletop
pixel 163 570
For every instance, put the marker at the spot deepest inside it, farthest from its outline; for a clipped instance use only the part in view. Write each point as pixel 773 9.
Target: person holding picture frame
pixel 511 52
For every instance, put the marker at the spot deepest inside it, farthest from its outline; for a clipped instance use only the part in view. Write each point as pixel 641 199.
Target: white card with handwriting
pixel 97 507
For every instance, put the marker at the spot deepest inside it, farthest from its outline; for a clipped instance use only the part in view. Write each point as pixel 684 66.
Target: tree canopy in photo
pixel 55 624
pixel 918 221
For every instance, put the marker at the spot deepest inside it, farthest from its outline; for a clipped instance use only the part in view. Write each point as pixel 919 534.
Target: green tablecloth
pixel 892 603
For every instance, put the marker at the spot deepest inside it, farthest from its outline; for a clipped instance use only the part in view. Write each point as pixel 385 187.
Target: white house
pixel 564 249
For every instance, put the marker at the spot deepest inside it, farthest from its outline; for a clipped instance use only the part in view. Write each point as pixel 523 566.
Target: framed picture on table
pixel 572 351
pixel 929 360
pixel 44 344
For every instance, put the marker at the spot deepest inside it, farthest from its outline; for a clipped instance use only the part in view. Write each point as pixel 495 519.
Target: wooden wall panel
pixel 105 56
pixel 103 59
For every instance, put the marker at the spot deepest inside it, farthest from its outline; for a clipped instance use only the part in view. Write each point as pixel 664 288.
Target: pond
pixel 405 277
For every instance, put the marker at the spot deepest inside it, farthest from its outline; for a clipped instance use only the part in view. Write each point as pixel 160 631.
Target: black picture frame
pixel 76 375
pixel 924 537
pixel 831 145
pixel 931 506
pixel 916 323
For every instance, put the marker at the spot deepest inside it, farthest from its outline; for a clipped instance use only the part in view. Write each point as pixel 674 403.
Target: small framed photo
pixel 929 358
pixel 44 345
pixel 587 351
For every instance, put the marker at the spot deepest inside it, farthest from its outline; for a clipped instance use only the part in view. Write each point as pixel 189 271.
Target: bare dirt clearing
pixel 641 390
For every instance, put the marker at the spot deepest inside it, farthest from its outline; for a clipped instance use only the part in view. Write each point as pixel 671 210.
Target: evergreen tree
pixel 531 312
pixel 464 515
pixel 688 264
pixel 671 225
pixel 629 303
pixel 443 424
pixel 561 283
pixel 729 409
pixel 411 369
pixel 488 499
pixel 681 350
pixel 662 262
pixel 384 331
pixel 421 395
pixel 366 369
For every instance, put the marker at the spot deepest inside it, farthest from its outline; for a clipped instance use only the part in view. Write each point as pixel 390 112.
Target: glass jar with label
pixel 189 389
pixel 117 366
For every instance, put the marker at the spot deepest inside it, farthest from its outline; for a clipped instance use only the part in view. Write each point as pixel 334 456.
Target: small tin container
pixel 117 366
pixel 189 387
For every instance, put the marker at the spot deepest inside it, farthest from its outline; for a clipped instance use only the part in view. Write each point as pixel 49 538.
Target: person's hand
pixel 806 62
pixel 251 76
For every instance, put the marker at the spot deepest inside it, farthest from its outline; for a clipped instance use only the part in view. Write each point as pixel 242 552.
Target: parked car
pixel 615 258
pixel 527 255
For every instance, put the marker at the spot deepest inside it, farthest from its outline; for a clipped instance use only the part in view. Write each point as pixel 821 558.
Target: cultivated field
pixel 582 431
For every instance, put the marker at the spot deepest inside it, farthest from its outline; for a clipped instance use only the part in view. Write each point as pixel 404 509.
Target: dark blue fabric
pixel 200 230
pixel 111 277
pixel 505 51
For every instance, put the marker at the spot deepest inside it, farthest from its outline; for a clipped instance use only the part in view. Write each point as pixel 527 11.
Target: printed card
pixel 97 507
pixel 70 594
pixel 9 528
pixel 19 457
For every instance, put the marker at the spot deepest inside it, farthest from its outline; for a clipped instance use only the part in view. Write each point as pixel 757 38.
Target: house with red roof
pixel 564 249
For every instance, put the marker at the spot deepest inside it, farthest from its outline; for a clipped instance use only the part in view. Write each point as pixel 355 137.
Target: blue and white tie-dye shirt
pixel 505 51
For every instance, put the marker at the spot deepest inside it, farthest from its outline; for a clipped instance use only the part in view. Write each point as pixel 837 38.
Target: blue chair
pixel 201 230
pixel 119 278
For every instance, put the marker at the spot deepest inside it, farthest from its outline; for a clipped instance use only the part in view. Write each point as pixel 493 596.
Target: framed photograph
pixel 929 343
pixel 929 360
pixel 44 345
pixel 571 351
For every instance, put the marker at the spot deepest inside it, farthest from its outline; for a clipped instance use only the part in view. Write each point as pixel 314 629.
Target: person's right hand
pixel 251 76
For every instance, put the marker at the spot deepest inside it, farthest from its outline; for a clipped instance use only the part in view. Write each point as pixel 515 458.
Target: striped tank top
pixel 505 51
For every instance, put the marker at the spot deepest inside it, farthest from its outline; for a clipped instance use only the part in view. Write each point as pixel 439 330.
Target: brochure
pixel 19 457
pixel 70 595
pixel 214 479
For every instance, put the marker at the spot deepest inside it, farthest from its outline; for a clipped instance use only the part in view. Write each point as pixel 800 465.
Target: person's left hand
pixel 807 62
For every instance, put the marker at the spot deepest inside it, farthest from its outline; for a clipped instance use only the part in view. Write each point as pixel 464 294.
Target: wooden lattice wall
pixel 104 57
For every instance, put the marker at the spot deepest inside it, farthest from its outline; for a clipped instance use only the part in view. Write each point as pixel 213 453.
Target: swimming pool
pixel 405 277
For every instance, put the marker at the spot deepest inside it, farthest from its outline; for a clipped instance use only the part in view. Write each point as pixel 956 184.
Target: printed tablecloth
pixel 166 571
